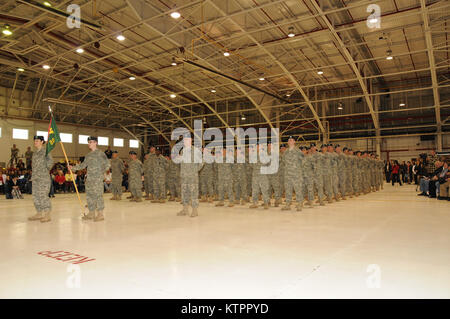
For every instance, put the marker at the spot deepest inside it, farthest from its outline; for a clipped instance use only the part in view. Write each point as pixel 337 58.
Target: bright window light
pixel 103 141
pixel 42 133
pixel 65 137
pixel 0 132
pixel 134 144
pixel 82 139
pixel 20 134
pixel 118 142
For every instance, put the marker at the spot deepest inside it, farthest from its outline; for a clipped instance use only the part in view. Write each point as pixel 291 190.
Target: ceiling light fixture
pixel 174 63
pixel 213 91
pixel 120 37
pixel 291 33
pixel 20 69
pixel 243 118
pixel 47 4
pixel 6 30
pixel 175 14
pixel 320 72
pixel 80 50
pixel 402 104
pixel 288 94
pixel 46 66
pixel 388 55
pixel 173 96
pixel 226 53
pixel 132 78
pixel 261 78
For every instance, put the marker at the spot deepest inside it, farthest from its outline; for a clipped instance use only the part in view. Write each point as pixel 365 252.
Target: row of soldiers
pixel 331 173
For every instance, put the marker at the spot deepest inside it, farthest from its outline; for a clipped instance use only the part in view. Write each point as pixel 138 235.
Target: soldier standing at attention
pixel 317 174
pixel 42 164
pixel 207 181
pixel 225 180
pixel 260 181
pixel 281 169
pixel 274 180
pixel 117 169
pixel 348 161
pixel 159 177
pixel 28 157
pixel 96 163
pixel 240 178
pixel 135 171
pixel 14 155
pixel 173 179
pixel 341 171
pixel 334 171
pixel 293 166
pixel 327 183
pixel 147 179
pixel 189 178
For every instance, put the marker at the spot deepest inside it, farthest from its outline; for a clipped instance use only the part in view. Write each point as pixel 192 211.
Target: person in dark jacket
pixel 396 174
pixel 388 171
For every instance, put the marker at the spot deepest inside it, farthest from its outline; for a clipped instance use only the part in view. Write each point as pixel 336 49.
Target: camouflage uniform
pixel 260 183
pixel 207 180
pixel 14 155
pixel 135 171
pixel 240 181
pixel 275 186
pixel 327 174
pixel 41 180
pixel 189 179
pixel 293 163
pixel 97 163
pixel 249 173
pixel 342 174
pixel 334 174
pixel 174 179
pixel 225 181
pixel 148 182
pixel 159 177
pixel 316 179
pixel 117 169
pixel 28 158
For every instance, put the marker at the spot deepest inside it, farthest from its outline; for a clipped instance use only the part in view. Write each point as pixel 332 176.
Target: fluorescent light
pixel 80 50
pixel 226 53
pixel 319 72
pixel 174 63
pixel 47 4
pixel 20 69
pixel 213 91
pixel 175 15
pixel 173 96
pixel 6 30
pixel 291 35
pixel 288 95
pixel 389 58
pixel 120 37
pixel 261 78
pixel 46 66
pixel 243 117
pixel 373 20
pixel 340 108
pixel 402 104
pixel 132 78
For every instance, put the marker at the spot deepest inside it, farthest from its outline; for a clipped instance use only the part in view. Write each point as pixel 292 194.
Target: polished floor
pixel 388 244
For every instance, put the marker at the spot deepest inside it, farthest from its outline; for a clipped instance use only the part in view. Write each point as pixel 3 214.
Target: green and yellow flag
pixel 53 135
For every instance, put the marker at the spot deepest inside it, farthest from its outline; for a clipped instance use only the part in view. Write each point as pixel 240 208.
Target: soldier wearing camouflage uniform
pixel 28 157
pixel 173 180
pixel 342 172
pixel 148 187
pixel 189 178
pixel 225 180
pixel 274 181
pixel 327 172
pixel 42 163
pixel 282 150
pixel 159 177
pixel 240 178
pixel 96 163
pixel 207 181
pixel 293 166
pixel 316 177
pixel 334 171
pixel 135 171
pixel 348 166
pixel 260 181
pixel 117 169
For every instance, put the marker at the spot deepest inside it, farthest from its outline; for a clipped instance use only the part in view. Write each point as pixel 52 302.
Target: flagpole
pixel 71 173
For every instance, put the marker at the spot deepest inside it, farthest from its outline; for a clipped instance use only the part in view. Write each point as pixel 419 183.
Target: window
pixel 42 133
pixel 104 141
pixel 82 139
pixel 118 142
pixel 0 132
pixel 20 134
pixel 134 144
pixel 65 137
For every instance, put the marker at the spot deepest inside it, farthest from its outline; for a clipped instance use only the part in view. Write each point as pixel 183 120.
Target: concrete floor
pixel 389 244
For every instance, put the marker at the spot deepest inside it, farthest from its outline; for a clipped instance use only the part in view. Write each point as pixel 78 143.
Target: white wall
pixel 73 150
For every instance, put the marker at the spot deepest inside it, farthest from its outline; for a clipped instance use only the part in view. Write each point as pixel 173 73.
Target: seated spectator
pixel 15 190
pixel 444 186
pixel 69 182
pixel 107 181
pixel 60 181
pixel 442 179
pixel 80 180
pixel 428 183
pixel 8 187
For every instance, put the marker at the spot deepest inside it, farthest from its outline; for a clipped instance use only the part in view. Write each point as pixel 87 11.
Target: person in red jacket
pixel 60 181
pixel 396 173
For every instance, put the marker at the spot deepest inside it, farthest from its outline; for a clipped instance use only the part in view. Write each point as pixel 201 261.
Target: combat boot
pixel 299 207
pixel 171 199
pixel 277 202
pixel 231 204
pixel 329 199
pixel 162 200
pixel 131 196
pixel 266 205
pixel 210 199
pixel 113 198
pixel 343 197
pixel 184 211
pixel 90 215
pixel 119 197
pixel 139 199
pixel 237 202
pixel 321 203
pixel 336 197
pixel 46 217
pixel 243 202
pixel 99 217
pixel 133 199
pixel 194 212
pixel 254 205
pixel 155 201
pixel 220 203
pixel 147 196
pixel 286 207
pixel 178 199
pixel 37 216
pixel 310 204
pixel 203 199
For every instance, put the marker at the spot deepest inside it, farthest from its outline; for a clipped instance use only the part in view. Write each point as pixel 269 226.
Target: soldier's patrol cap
pixel 132 153
pixel 312 145
pixel 39 137
pixel 92 138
